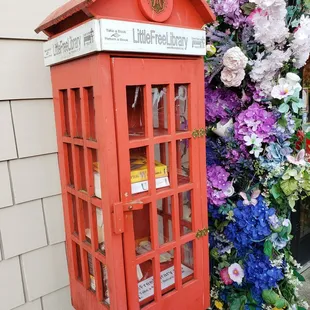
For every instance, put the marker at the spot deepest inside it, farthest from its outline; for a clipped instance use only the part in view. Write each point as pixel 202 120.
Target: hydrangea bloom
pixel 221 104
pixel 260 273
pixel 301 42
pixel 255 120
pixel 219 188
pixel 265 68
pixel 269 22
pixel 251 224
pixel 231 10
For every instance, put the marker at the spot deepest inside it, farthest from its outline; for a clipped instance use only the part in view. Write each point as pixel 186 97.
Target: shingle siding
pixel 33 264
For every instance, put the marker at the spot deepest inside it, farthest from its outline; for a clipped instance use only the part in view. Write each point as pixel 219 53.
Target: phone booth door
pixel 158 104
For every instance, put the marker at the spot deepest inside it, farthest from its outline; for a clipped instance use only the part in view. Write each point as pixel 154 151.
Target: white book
pixel 136 188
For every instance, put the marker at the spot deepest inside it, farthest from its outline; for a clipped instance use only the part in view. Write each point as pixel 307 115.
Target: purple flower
pixel 231 10
pixel 255 119
pixel 221 104
pixel 218 185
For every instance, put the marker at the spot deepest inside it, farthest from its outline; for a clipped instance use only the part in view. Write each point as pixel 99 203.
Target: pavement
pixel 304 291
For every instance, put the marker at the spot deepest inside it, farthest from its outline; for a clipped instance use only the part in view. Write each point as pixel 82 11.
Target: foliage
pixel 257 169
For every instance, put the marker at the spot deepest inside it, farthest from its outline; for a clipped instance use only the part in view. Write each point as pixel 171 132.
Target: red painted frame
pixel 104 74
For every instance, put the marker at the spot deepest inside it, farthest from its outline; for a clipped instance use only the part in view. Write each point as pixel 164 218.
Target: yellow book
pixel 139 173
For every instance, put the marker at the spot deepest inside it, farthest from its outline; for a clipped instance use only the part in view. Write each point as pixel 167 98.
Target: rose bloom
pixel 236 273
pixel 225 276
pixel 234 59
pixel 232 78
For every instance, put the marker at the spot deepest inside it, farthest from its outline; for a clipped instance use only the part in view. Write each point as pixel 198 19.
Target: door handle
pixel 119 209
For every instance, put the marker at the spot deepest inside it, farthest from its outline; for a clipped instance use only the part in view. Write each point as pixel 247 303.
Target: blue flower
pixel 251 225
pixel 260 273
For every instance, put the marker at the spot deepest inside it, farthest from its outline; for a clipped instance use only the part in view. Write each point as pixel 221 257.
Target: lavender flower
pixel 231 10
pixel 219 188
pixel 221 104
pixel 255 119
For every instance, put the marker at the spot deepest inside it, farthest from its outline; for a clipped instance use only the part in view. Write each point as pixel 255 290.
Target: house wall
pixel 33 266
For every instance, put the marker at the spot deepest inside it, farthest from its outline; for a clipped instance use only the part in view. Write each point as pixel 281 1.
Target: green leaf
pixel 289 186
pixel 281 303
pixel 284 107
pixel 248 8
pixel 301 308
pixel 282 121
pixel 238 303
pixel 299 276
pixel 270 297
pixel 276 191
pixel 295 107
pixel 307 4
pixel 268 248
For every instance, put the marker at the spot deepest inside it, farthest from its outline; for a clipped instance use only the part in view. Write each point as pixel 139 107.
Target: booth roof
pixel 75 6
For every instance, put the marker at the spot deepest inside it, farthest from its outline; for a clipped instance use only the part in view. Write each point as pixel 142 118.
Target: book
pixel 139 171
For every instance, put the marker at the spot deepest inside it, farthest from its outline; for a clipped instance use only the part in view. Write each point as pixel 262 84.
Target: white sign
pixel 115 35
pixel 77 42
pixel 146 287
pixel 151 38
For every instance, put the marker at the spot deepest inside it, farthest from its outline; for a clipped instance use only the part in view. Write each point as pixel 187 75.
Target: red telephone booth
pixel 128 88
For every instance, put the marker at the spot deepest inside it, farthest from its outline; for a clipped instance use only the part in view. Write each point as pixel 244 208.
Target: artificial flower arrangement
pixel 257 170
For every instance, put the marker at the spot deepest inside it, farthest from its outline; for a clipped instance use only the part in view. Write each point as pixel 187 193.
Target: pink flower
pixel 236 273
pixel 225 276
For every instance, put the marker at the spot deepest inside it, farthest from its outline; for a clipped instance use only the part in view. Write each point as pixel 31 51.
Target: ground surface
pixel 305 290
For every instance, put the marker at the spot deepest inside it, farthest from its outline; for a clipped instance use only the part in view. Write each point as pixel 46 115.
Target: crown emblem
pixel 158 5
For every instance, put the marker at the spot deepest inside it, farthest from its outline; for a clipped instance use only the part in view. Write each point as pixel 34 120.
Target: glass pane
pixel 185 211
pixel 69 164
pixel 80 161
pixel 160 110
pixel 167 277
pixel 64 103
pixel 165 233
pixel 85 220
pixel 142 230
pixel 91 117
pixel 78 112
pixel 187 261
pixel 92 281
pixel 161 154
pixel 145 283
pixel 105 283
pixel 183 161
pixel 135 111
pixel 139 170
pixel 100 230
pixel 78 261
pixel 73 214
pixel 96 174
pixel 181 107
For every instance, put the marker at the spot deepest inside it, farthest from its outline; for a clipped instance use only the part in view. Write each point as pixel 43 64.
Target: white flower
pixel 232 78
pixel 234 59
pixel 292 78
pixel 282 90
pixel 210 49
pixel 256 150
pixel 253 140
pixel 265 69
pixel 229 191
pixel 300 45
pixel 286 223
pixel 286 87
pixel 270 27
pixel 225 129
pixel 236 273
pixel 265 4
